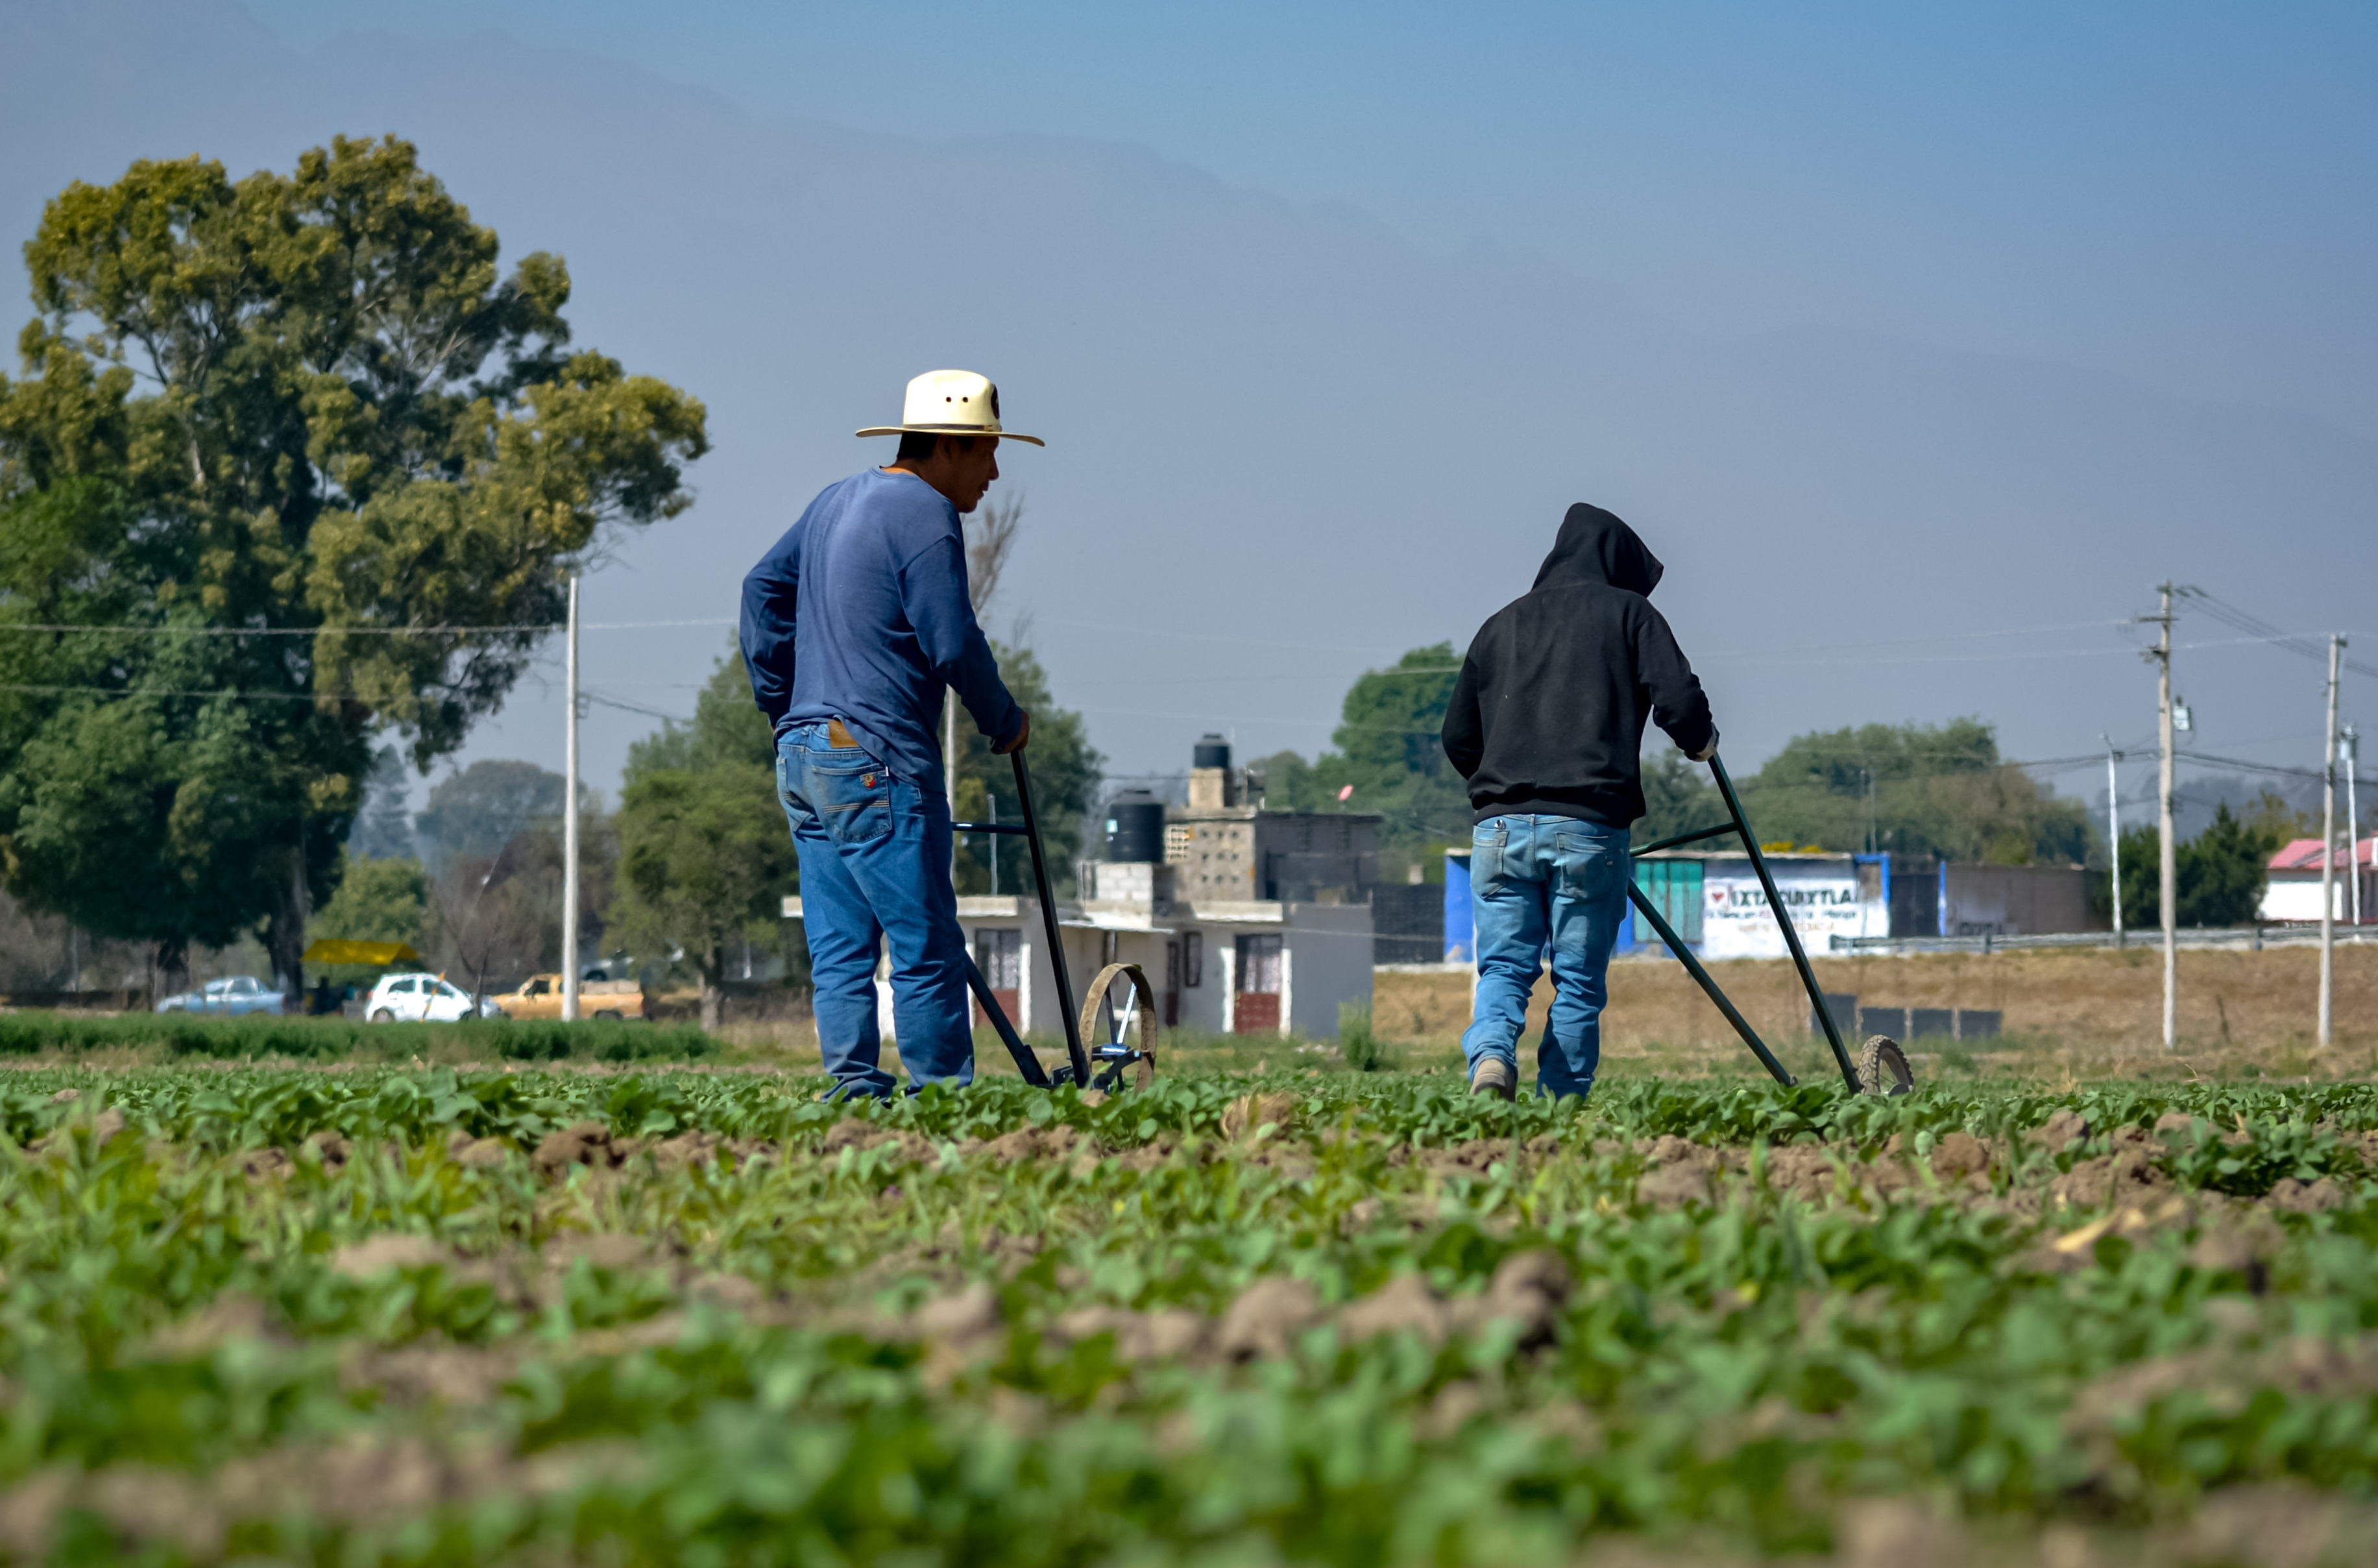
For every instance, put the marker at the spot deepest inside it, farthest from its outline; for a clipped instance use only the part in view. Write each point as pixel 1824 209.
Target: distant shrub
pixel 1355 1041
pixel 338 1039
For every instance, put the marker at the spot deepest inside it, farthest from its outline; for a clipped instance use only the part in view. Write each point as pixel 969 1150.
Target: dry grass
pixel 2086 1012
pixel 2073 1014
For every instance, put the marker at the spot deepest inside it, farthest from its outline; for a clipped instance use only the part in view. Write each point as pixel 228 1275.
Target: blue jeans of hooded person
pixel 1538 885
pixel 874 850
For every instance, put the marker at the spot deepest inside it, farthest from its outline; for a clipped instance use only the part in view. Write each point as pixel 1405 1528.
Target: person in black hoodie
pixel 1546 725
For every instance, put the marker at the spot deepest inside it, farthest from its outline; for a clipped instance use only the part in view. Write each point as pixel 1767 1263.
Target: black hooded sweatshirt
pixel 1548 716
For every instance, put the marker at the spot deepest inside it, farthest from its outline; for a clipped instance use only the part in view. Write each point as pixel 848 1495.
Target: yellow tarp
pixel 383 954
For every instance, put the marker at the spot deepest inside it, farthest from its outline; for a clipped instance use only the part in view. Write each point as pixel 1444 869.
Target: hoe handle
pixel 1701 978
pixel 1074 1051
pixel 1784 919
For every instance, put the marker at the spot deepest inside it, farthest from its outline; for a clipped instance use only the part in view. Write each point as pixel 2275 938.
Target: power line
pixel 538 626
pixel 2307 645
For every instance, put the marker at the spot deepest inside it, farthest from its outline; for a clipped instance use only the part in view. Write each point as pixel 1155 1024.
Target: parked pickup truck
pixel 540 996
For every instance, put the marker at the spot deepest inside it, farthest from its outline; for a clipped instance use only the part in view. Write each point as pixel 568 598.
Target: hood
pixel 1595 546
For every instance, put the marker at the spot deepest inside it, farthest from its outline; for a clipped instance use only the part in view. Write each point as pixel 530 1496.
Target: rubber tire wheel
pixel 612 1015
pixel 383 1016
pixel 1882 1067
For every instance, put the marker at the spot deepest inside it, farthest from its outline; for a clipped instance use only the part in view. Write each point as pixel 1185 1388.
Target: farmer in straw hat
pixel 853 624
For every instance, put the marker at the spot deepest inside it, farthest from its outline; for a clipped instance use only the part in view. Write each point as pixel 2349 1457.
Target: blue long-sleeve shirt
pixel 860 612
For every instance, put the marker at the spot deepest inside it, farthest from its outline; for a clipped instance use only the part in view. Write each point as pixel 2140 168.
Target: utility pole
pixel 2114 833
pixel 2169 853
pixel 2328 851
pixel 2349 744
pixel 570 827
pixel 950 768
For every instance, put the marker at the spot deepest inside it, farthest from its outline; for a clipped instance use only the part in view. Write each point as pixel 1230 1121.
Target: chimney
pixel 1212 783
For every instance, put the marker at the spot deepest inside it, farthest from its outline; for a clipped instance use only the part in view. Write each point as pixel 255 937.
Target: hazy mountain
pixel 1284 443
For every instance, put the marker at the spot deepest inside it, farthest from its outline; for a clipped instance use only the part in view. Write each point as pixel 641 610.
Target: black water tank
pixel 1212 751
pixel 1136 827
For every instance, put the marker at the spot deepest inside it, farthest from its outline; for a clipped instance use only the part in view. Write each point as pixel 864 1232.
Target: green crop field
pixel 642 1314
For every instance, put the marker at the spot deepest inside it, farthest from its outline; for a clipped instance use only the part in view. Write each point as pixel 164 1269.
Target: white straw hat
pixel 951 402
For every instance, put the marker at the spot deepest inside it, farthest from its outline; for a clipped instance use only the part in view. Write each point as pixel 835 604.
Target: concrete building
pixel 1947 898
pixel 1223 846
pixel 1251 923
pixel 2292 891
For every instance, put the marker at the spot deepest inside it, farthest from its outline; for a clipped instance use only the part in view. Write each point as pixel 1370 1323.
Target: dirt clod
pixel 2061 1132
pixel 581 1143
pixel 1959 1155
pixel 1264 1319
pixel 1671 1186
pixel 967 1316
pixel 377 1254
pixel 1406 1304
pixel 2308 1197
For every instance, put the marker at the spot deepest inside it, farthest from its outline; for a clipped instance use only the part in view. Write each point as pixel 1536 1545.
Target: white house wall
pixel 1325 960
pixel 2294 898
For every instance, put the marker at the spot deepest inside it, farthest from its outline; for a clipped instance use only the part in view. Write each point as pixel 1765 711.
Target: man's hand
pixel 1706 752
pixel 1023 734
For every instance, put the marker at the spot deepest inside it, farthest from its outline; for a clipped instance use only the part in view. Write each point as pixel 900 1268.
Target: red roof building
pixel 2293 889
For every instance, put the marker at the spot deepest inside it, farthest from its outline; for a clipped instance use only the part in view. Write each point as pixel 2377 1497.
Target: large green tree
pixel 705 863
pixel 2222 871
pixel 1913 789
pixel 291 462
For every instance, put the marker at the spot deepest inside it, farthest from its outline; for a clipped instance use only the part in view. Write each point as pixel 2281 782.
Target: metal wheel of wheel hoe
pixel 1883 1068
pixel 1112 1052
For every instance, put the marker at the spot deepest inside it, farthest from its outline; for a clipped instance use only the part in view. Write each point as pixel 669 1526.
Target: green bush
pixel 1355 1041
pixel 339 1040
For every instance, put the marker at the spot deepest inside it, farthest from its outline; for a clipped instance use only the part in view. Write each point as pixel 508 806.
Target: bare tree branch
pixel 991 534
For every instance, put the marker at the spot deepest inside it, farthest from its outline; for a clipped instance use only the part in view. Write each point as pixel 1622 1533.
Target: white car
pixel 417 998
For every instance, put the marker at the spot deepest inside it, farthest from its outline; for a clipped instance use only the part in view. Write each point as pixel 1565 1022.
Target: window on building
pixel 1000 955
pixel 1259 965
pixel 1192 958
pixel 1176 844
pixel 1172 966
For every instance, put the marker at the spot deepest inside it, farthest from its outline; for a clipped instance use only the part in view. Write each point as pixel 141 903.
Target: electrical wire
pixel 2306 645
pixel 539 626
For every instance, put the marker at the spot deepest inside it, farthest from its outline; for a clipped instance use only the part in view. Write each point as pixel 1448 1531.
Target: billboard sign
pixel 1825 895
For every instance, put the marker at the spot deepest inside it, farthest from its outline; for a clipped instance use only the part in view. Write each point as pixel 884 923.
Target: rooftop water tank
pixel 1212 751
pixel 1135 827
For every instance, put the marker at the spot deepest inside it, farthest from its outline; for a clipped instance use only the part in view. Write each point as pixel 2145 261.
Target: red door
pixel 1257 1005
pixel 1000 955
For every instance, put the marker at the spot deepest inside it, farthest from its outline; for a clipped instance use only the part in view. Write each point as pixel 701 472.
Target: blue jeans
pixel 875 863
pixel 1540 883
